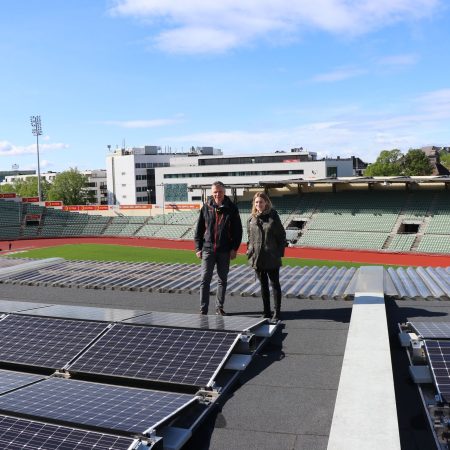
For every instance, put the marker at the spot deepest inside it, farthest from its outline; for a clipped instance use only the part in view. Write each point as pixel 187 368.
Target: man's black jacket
pixel 219 228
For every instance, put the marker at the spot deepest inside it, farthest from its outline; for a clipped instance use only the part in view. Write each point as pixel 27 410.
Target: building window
pixel 332 171
pixel 234 174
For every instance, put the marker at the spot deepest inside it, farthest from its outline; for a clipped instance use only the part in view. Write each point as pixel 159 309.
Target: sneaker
pixel 220 312
pixel 203 313
pixel 266 315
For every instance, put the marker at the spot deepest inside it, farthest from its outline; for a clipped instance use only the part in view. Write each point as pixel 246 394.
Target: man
pixel 217 238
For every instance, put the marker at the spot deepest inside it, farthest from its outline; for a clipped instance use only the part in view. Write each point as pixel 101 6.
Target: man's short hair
pixel 218 184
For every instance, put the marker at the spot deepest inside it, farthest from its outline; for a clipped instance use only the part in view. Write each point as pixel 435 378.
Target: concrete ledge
pixel 365 413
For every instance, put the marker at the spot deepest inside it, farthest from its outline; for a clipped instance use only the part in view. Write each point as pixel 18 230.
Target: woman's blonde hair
pixel 266 198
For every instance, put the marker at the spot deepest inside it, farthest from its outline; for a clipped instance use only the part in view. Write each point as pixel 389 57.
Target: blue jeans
pixel 222 262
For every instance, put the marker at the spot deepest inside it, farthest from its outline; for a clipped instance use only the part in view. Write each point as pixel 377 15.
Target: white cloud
pixel 152 123
pixel 197 26
pixel 9 149
pixel 191 39
pixel 339 74
pixel 345 73
pixel 399 60
pixel 435 103
pixel 342 131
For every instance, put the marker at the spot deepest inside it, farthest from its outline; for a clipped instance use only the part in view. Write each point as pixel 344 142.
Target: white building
pixel 97 186
pixel 145 175
pixel 48 176
pixel 131 172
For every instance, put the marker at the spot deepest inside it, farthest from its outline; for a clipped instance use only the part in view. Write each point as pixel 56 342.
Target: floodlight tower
pixel 36 128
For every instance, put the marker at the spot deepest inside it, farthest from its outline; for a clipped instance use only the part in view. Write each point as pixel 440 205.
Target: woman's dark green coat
pixel 266 240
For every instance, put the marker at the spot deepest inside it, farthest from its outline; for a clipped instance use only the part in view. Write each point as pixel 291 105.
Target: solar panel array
pixel 188 357
pixel 315 282
pixel 85 313
pixel 44 342
pixel 49 412
pixel 439 358
pixel 99 405
pixel 7 306
pixel 436 337
pixel 197 321
pixel 12 380
pixel 432 330
pixel 18 433
pixel 297 282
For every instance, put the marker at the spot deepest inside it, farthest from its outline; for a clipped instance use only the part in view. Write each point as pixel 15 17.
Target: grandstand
pixel 389 219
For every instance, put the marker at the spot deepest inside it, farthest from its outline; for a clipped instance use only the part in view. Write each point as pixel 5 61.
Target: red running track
pixel 370 257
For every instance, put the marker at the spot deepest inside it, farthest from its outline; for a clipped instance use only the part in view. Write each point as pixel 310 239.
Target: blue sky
pixel 338 77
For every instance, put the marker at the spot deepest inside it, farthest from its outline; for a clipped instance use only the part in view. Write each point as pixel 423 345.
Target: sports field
pixel 179 251
pixel 110 252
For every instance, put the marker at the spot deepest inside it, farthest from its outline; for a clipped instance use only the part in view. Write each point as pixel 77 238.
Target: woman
pixel 265 247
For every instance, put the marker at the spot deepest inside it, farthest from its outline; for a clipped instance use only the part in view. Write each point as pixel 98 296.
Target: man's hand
pixel 233 254
pixel 199 254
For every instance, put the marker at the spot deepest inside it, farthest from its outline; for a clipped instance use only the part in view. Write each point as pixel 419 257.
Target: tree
pixel 444 157
pixel 416 163
pixel 70 187
pixel 388 163
pixel 8 187
pixel 29 187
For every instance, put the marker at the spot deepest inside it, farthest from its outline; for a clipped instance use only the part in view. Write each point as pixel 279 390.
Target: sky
pixel 336 77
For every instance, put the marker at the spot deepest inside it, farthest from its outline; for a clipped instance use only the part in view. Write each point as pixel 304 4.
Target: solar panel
pixel 432 330
pixel 21 433
pixel 189 357
pixel 102 406
pixel 198 321
pixel 13 380
pixel 86 313
pixel 439 359
pixel 44 342
pixel 8 306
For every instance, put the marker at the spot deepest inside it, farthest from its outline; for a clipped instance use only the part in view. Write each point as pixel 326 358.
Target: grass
pixel 109 252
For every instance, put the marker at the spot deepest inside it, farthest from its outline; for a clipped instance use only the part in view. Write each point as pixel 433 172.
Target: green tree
pixel 70 187
pixel 6 188
pixel 388 163
pixel 29 187
pixel 416 163
pixel 444 157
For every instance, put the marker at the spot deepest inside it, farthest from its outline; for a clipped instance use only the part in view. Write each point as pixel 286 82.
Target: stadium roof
pixel 339 180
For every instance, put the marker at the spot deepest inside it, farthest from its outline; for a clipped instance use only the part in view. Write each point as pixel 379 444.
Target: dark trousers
pixel 274 276
pixel 222 262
